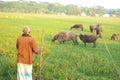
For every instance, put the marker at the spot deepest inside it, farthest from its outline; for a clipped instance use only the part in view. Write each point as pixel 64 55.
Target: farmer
pixel 26 46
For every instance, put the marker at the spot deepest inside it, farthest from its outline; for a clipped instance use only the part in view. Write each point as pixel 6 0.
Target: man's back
pixel 26 45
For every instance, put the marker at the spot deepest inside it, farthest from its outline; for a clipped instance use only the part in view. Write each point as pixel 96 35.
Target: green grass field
pixel 61 61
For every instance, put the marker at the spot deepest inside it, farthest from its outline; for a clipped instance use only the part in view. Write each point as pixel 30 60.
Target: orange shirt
pixel 26 45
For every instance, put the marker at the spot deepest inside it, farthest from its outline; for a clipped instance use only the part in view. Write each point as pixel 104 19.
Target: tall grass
pixel 60 61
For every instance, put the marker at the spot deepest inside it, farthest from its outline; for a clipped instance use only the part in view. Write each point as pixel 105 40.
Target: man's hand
pixel 40 50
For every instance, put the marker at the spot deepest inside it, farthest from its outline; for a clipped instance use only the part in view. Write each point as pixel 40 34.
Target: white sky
pixel 113 4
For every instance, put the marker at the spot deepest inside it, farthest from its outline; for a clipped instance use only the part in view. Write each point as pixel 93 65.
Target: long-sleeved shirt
pixel 26 46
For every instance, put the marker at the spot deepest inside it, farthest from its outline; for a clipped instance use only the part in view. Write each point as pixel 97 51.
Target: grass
pixel 60 61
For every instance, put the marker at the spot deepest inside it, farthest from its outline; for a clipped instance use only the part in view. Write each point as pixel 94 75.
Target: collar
pixel 26 35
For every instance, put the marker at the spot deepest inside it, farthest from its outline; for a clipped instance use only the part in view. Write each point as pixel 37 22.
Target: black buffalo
pixel 97 28
pixel 88 39
pixel 99 31
pixel 77 26
pixel 93 27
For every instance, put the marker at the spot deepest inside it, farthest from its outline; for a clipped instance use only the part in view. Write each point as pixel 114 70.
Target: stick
pixel 42 44
pixel 116 67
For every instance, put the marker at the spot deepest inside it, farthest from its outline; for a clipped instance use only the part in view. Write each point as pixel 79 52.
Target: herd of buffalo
pixel 87 38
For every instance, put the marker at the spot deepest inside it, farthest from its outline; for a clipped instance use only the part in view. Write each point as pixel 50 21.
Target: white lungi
pixel 24 71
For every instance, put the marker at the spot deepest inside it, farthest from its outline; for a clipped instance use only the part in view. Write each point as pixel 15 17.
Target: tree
pixel 118 12
pixel 24 6
pixel 73 10
pixel 91 11
pixel 99 10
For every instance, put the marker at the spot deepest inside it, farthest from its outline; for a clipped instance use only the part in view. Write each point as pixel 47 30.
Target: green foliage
pixel 60 61
pixel 53 8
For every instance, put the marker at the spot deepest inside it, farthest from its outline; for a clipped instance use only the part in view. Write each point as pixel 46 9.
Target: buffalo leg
pixel 94 44
pixel 84 44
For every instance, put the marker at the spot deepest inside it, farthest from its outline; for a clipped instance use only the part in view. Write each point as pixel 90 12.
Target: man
pixel 26 46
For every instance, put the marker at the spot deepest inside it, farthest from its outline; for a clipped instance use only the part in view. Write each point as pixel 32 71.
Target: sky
pixel 111 4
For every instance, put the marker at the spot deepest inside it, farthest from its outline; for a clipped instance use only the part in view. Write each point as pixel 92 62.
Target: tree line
pixel 54 8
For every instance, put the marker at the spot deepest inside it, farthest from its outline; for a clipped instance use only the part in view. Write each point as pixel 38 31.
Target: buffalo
pixel 93 27
pixel 115 37
pixel 98 29
pixel 65 36
pixel 88 39
pixel 77 26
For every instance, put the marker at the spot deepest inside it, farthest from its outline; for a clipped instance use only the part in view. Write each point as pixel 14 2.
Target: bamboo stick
pixel 42 44
pixel 115 65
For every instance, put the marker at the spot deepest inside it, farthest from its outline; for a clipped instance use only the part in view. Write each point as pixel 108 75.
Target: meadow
pixel 61 61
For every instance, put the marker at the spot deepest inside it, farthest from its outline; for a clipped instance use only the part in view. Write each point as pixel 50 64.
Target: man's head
pixel 26 30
